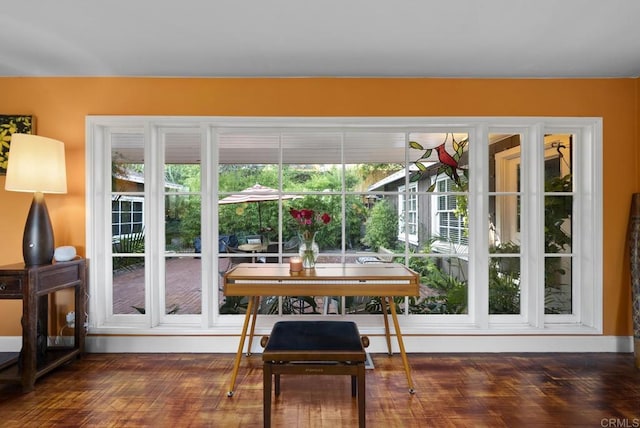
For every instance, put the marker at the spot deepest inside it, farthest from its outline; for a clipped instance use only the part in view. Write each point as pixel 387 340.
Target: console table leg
pixel 256 305
pixel 403 353
pixel 243 335
pixel 387 333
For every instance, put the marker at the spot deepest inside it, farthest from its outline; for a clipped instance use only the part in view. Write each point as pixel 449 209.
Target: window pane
pixel 443 285
pixel 182 223
pixel 128 285
pixel 557 222
pixel 557 168
pixel 558 285
pixel 504 285
pixel 248 182
pixel 183 282
pixel 382 150
pixel 439 155
pixel 504 221
pixel 127 162
pixel 505 157
pixel 357 213
pixel 447 231
pixel 329 236
pixel 558 180
pixel 312 161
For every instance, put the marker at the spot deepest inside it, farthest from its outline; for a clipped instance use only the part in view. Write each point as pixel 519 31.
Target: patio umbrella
pixel 256 193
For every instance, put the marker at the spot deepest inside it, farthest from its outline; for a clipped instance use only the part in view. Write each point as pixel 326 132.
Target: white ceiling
pixel 211 38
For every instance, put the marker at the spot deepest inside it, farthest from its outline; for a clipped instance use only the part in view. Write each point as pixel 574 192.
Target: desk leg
pixel 387 333
pixel 256 306
pixel 266 394
pixel 405 361
pixel 243 335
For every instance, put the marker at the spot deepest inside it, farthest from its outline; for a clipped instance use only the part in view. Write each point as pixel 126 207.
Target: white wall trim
pixel 413 344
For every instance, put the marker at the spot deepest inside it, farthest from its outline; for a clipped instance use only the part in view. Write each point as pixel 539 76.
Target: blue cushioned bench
pixel 314 347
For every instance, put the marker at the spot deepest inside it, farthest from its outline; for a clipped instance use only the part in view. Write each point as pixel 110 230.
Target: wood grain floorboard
pixel 453 390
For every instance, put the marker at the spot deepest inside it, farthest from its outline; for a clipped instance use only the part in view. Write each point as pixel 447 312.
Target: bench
pixel 314 348
pixel 385 256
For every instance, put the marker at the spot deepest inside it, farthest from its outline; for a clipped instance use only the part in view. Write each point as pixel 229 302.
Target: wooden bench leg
pixel 354 385
pixel 277 382
pixel 361 396
pixel 266 394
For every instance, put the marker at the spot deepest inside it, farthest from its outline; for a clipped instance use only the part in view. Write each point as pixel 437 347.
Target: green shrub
pixel 382 226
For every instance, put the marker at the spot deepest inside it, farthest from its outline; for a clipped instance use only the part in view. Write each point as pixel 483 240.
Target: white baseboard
pixel 10 343
pixel 413 344
pixel 422 344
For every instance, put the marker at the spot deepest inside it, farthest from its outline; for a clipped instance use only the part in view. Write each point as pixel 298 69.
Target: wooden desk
pixel 271 279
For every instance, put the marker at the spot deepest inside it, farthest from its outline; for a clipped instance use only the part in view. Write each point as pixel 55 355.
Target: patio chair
pixel 271 248
pixel 291 245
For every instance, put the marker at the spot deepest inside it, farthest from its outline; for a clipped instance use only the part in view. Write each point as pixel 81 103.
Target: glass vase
pixel 308 250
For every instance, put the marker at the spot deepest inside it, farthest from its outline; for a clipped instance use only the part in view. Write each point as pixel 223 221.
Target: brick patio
pixel 183 278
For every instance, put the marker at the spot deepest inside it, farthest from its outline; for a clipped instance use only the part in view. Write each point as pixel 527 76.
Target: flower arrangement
pixel 309 222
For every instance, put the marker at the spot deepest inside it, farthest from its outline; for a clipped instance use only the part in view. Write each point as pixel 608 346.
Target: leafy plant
pixel 382 226
pixel 504 280
pixel 557 218
pixel 234 305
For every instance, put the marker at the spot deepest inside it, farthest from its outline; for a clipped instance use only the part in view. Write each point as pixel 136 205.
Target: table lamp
pixel 36 164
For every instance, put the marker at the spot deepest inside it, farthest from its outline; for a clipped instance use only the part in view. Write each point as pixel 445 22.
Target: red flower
pixel 307 220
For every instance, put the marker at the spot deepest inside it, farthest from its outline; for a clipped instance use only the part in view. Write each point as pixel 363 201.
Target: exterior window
pixel 127 216
pixel 490 213
pixel 450 224
pixel 408 213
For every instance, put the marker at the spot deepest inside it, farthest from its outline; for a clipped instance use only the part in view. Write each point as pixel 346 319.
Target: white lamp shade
pixel 36 164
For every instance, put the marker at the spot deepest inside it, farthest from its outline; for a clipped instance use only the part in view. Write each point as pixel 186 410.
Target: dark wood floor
pixel 462 390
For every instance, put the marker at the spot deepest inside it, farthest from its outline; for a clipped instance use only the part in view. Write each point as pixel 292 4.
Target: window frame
pixel 588 201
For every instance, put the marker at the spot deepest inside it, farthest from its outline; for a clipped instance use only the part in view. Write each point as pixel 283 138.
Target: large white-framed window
pixel 552 285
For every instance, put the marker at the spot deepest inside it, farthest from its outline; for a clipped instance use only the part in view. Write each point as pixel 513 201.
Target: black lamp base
pixel 37 241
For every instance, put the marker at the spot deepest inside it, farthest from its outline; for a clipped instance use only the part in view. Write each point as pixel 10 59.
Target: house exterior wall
pixel 60 106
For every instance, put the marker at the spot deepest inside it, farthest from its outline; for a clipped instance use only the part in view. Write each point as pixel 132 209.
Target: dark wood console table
pixel 34 285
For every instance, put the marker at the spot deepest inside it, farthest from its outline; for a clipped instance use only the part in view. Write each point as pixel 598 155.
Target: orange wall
pixel 60 106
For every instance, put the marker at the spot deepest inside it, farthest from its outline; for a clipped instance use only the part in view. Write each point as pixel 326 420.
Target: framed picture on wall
pixel 12 124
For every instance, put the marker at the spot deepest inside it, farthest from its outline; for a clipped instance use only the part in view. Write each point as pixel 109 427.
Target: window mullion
pixel 478 227
pixel 208 218
pixel 154 245
pixel 532 214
